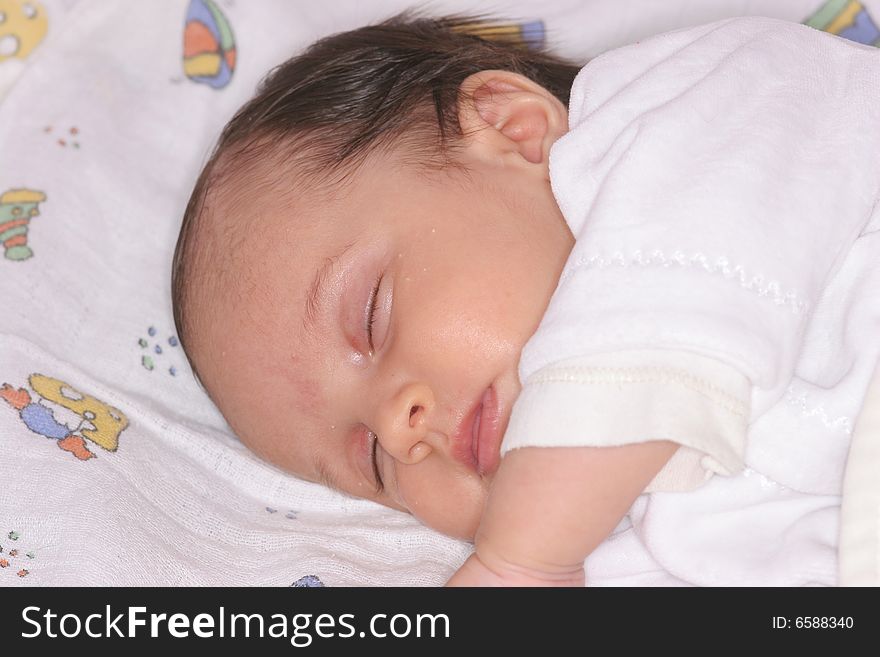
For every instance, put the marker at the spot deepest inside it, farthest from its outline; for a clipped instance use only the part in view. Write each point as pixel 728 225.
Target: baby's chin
pixel 457 531
pixel 455 523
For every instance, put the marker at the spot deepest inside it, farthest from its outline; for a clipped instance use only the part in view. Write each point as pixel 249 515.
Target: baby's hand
pixel 549 507
pixel 474 572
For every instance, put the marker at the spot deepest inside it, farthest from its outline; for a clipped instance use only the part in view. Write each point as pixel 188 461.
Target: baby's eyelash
pixel 380 485
pixel 371 315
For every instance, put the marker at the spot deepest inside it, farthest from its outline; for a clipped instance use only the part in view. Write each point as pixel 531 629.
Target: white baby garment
pixel 717 180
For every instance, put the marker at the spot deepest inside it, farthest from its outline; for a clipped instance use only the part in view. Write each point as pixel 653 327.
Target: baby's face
pixel 388 320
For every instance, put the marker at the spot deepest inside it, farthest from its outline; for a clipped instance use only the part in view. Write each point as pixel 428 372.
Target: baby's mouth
pixel 477 442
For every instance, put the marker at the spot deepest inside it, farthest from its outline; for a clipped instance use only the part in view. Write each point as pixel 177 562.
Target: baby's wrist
pixel 526 571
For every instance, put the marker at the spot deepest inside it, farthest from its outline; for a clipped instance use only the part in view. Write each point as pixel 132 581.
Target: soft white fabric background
pixel 181 502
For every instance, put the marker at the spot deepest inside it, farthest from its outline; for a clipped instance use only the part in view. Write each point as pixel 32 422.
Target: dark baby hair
pixel 393 84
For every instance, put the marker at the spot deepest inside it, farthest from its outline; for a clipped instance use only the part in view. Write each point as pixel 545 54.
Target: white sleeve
pixel 637 396
pixel 715 179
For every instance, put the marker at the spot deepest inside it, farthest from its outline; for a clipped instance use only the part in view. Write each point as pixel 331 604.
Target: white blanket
pixel 115 468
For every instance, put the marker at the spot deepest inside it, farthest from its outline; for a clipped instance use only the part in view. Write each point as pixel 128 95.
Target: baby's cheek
pixel 451 504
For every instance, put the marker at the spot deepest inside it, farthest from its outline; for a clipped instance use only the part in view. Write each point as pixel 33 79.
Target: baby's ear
pixel 501 112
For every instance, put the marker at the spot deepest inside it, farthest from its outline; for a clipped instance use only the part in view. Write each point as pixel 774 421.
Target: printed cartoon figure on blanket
pixel 17 208
pixel 99 423
pixel 848 19
pixel 22 27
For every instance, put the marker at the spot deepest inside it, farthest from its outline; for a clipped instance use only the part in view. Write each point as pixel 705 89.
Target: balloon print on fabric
pixel 208 45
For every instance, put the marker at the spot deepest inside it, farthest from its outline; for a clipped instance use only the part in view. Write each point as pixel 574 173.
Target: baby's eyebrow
pixel 315 293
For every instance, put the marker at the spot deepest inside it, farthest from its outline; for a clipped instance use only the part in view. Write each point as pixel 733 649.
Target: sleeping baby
pixel 509 295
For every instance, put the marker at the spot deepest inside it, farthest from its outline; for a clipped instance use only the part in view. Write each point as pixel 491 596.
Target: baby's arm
pixel 549 507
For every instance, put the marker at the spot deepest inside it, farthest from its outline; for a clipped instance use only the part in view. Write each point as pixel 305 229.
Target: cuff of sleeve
pixel 636 396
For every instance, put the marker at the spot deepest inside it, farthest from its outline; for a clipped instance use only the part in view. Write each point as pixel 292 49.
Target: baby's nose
pixel 402 423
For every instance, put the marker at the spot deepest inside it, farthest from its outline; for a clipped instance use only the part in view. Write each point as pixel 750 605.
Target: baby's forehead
pixel 260 205
pixel 243 190
pixel 251 195
pixel 262 240
pixel 264 216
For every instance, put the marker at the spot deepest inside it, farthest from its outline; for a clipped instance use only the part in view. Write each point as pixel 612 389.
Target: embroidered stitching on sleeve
pixel 800 401
pixel 720 266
